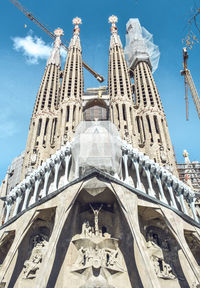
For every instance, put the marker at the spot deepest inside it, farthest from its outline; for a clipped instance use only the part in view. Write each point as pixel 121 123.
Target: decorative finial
pixel 113 19
pixel 185 153
pixel 58 32
pixel 76 21
pixel 186 156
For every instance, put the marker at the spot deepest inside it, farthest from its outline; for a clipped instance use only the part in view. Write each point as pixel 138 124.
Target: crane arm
pixel 38 23
pixel 189 81
pixel 193 91
pixel 32 18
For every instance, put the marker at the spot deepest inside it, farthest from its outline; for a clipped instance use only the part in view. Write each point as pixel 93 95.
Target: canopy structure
pixel 97 144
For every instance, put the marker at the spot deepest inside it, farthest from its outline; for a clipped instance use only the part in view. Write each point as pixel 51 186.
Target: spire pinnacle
pixel 77 21
pixel 58 32
pixel 75 41
pixel 113 19
pixel 55 53
pixel 115 39
pixel 186 156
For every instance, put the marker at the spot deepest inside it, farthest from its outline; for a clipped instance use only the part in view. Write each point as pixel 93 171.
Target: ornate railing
pixel 36 186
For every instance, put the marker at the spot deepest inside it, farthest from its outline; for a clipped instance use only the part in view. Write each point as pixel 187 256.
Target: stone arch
pixel 79 229
pixel 31 250
pixel 5 244
pixel 193 241
pixel 162 248
pixel 96 108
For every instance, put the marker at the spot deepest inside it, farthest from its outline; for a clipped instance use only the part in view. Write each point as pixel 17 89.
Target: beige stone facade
pixel 154 139
pixel 100 205
pixel 133 241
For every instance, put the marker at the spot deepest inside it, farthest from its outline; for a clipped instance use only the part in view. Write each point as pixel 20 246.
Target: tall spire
pixel 71 87
pixel 43 126
pixel 153 135
pixel 47 97
pixel 120 86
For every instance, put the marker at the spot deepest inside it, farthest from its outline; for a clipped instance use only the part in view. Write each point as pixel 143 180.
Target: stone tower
pixel 42 135
pixel 98 212
pixel 119 85
pixel 70 111
pixel 154 139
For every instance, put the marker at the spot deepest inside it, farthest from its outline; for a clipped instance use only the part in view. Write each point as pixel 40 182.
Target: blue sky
pixel 20 76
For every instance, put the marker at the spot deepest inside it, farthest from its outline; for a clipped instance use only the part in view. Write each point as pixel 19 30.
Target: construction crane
pixel 44 28
pixel 189 83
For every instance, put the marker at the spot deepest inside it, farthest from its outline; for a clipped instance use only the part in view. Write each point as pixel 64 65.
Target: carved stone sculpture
pixel 156 247
pixel 162 269
pixel 98 251
pixel 33 263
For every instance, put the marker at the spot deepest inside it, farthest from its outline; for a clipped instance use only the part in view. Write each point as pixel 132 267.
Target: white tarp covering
pixel 97 144
pixel 139 45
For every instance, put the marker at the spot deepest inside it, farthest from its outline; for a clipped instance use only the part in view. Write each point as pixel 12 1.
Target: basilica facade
pixel 95 200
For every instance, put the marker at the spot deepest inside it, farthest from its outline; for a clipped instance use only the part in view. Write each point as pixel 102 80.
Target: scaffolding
pixel 140 46
pixel 190 173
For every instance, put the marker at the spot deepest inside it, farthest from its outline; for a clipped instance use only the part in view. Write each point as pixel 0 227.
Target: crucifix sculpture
pixel 96 220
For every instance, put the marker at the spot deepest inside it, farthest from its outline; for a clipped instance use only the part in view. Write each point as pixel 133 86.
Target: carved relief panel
pixel 98 252
pixel 160 253
pixel 31 252
pixel 162 248
pixel 32 265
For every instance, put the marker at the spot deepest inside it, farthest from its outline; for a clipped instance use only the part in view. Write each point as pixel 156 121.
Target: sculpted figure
pixel 86 229
pixel 32 264
pixel 163 155
pixel 96 220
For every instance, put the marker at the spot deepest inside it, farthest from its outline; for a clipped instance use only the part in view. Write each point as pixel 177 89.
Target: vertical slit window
pixel 55 124
pixel 143 128
pixel 124 111
pixel 117 112
pixel 46 125
pixel 74 111
pixel 150 130
pixel 67 116
pixel 156 124
pixel 39 127
pixel 138 123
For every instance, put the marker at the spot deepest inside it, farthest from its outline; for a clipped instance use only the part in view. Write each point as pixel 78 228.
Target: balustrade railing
pixel 170 190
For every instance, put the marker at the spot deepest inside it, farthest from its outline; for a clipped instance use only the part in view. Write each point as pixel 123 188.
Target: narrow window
pixel 67 116
pixel 124 112
pixel 55 124
pixel 39 127
pixel 46 125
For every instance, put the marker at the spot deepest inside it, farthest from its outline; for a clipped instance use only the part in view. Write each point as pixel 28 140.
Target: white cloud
pixel 33 48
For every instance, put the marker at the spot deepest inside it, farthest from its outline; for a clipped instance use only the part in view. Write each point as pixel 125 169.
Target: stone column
pixel 27 193
pixel 8 202
pixel 18 201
